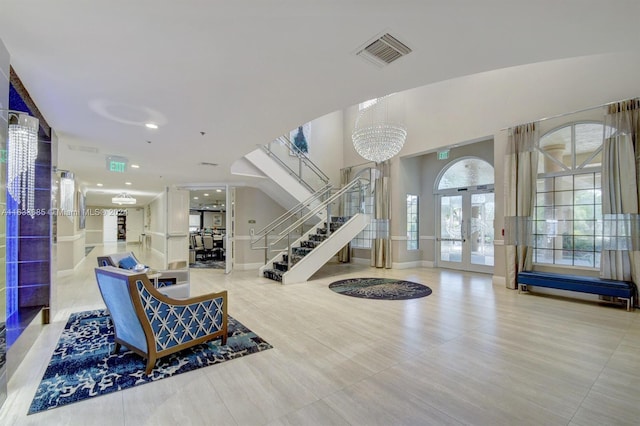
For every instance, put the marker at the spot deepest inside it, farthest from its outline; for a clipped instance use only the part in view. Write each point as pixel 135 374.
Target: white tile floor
pixel 471 353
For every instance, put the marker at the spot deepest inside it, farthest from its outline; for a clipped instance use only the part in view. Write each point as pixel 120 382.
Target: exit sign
pixel 117 164
pixel 443 155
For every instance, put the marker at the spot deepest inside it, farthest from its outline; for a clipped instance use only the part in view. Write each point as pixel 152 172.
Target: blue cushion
pixel 128 263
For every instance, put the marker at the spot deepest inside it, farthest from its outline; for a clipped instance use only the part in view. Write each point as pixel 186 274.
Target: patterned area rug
pixel 82 365
pixel 380 288
pixel 210 264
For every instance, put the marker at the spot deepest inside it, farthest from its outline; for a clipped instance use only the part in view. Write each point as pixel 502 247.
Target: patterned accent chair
pixel 173 282
pixel 154 325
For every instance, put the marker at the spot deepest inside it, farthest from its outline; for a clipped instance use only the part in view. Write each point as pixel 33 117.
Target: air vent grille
pixel 384 50
pixel 89 149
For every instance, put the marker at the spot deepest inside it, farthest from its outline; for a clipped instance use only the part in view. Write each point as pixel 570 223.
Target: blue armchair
pixel 154 325
pixel 172 282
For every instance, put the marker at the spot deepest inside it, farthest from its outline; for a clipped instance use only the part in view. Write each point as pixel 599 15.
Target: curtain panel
pixel 620 182
pixel 381 247
pixel 344 255
pixel 521 172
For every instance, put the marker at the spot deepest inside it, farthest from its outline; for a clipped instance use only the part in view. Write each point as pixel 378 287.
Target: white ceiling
pixel 220 77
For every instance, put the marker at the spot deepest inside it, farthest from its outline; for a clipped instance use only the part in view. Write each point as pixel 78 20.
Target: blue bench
pixel 621 289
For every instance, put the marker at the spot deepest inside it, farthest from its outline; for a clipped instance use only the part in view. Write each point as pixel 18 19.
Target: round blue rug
pixel 380 288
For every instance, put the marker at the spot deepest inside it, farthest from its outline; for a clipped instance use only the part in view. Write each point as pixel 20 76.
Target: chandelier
pixel 376 136
pixel 21 158
pixel 123 198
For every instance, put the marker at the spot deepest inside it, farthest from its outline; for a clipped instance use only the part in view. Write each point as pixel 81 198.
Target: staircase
pixel 299 242
pixel 313 250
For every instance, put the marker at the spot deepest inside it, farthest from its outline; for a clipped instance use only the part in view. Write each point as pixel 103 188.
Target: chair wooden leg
pixel 151 362
pixel 117 348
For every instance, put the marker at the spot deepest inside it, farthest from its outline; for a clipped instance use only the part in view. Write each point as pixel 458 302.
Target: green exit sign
pixel 443 155
pixel 117 164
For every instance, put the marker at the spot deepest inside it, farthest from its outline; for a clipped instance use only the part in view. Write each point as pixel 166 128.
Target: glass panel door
pixel 465 241
pixel 450 239
pixel 481 235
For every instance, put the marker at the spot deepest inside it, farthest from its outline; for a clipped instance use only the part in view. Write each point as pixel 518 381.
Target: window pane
pixel 585 181
pixel 557 145
pixel 564 183
pixel 584 196
pixel 545 184
pixel 467 172
pixel 583 212
pixel 584 243
pixel 564 198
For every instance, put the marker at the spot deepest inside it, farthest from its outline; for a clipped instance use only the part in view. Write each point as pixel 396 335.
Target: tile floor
pixel 470 353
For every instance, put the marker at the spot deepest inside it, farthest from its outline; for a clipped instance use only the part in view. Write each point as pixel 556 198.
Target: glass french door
pixel 465 239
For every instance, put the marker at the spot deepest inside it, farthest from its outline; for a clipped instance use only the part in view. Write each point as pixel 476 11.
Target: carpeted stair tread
pixel 273 274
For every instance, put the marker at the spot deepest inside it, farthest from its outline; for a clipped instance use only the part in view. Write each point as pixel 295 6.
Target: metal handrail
pixel 315 210
pixel 292 212
pixel 305 158
pixel 301 157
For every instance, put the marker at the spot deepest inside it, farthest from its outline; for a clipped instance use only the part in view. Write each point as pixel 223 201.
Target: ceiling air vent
pixel 89 149
pixel 384 50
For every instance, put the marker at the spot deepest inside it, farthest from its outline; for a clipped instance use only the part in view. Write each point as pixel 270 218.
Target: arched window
pixel 568 211
pixel 466 172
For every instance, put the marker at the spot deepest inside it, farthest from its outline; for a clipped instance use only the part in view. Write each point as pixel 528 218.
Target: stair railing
pixel 287 217
pixel 297 163
pixel 357 185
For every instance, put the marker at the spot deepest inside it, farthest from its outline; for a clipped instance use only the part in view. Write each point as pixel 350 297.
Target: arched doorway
pixel 464 191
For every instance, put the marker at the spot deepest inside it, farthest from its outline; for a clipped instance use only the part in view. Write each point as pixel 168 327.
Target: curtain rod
pixel 568 113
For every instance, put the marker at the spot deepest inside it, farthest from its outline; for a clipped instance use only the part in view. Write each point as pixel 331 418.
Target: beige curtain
pixel 344 255
pixel 381 245
pixel 521 170
pixel 620 182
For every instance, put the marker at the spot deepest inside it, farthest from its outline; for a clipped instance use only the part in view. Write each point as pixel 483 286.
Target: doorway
pixel 466 211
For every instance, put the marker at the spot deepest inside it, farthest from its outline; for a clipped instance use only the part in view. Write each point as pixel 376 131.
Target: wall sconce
pixel 22 151
pixel 67 191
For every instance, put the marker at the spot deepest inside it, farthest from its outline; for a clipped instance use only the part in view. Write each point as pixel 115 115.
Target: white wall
pixel 135 226
pixel 325 144
pixel 478 107
pixel 109 228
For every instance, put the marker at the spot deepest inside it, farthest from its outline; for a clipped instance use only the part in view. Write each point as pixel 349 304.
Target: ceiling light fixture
pixel 218 190
pixel 123 198
pixel 151 125
pixel 135 166
pixel 21 158
pixel 127 183
pixel 99 184
pixel 376 137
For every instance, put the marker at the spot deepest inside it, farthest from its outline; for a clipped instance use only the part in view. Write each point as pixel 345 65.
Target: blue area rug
pixel 380 288
pixel 82 365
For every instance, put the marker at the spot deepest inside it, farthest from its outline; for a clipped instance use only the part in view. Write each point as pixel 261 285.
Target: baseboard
pixel 406 265
pixel 498 280
pixel 428 264
pixel 248 266
pixel 67 272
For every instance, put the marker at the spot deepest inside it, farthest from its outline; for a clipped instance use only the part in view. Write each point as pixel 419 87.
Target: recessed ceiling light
pixel 135 166
pixel 223 205
pixel 98 184
pixel 206 195
pixel 127 183
pixel 218 190
pixel 195 198
pixel 151 125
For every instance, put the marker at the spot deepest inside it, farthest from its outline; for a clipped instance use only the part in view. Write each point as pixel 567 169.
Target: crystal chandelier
pixel 22 152
pixel 376 137
pixel 123 198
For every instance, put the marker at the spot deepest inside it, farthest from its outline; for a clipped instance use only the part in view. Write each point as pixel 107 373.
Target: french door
pixel 465 233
